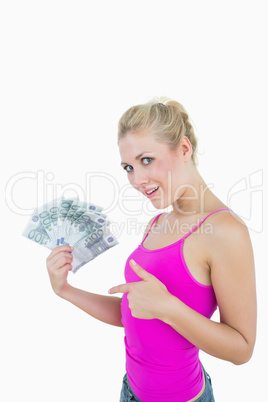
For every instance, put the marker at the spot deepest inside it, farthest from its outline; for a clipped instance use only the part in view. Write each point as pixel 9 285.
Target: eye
pixel 128 168
pixel 146 161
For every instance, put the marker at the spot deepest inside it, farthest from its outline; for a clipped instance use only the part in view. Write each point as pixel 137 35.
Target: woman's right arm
pixel 103 308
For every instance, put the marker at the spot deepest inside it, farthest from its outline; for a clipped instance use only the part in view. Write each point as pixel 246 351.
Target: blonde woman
pixel 190 261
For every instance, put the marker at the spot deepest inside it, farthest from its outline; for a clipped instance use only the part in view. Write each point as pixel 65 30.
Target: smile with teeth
pixel 152 191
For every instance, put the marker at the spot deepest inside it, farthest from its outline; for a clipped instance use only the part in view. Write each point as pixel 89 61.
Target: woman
pixel 191 260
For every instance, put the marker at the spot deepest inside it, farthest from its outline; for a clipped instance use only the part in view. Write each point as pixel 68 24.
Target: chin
pixel 160 204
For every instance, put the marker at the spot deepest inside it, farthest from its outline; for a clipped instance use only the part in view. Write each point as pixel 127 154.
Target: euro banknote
pixel 76 223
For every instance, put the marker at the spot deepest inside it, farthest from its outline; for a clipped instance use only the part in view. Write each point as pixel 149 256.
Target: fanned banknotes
pixel 76 223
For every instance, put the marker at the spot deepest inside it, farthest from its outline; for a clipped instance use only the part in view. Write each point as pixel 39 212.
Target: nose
pixel 139 177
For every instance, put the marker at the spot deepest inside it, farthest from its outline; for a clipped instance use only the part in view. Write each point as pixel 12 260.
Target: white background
pixel 69 69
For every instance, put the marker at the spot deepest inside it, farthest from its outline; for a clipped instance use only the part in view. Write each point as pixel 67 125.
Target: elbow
pixel 241 361
pixel 244 351
pixel 243 358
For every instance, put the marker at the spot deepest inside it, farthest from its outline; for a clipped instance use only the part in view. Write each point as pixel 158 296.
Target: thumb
pixel 144 275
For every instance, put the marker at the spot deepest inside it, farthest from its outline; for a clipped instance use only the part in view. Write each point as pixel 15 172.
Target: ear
pixel 186 148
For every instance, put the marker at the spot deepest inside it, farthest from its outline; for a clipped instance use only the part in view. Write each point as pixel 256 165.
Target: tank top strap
pixel 200 223
pixel 155 219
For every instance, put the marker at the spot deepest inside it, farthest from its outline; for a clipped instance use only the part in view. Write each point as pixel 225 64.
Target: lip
pixel 153 193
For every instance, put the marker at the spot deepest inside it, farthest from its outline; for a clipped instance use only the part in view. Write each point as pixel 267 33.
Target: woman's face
pixel 153 169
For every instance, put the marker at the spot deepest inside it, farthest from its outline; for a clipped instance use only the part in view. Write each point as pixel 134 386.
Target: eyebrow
pixel 137 157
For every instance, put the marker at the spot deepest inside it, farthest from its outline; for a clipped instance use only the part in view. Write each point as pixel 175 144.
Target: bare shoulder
pixel 229 248
pixel 229 230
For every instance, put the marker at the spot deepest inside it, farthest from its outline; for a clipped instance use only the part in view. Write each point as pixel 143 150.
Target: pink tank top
pixel 162 365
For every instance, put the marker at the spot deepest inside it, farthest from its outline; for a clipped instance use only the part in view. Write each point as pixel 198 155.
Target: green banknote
pixel 36 231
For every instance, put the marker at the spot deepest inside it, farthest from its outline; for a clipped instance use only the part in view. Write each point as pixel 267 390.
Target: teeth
pixel 150 192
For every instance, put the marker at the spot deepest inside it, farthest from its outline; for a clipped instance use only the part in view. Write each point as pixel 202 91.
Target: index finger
pixel 119 289
pixel 58 249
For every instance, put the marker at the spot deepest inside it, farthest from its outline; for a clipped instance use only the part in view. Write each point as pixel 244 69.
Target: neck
pixel 195 197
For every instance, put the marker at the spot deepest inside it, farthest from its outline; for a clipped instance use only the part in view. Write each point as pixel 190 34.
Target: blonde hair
pixel 167 118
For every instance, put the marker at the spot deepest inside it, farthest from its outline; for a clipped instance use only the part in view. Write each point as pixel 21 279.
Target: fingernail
pixel 133 262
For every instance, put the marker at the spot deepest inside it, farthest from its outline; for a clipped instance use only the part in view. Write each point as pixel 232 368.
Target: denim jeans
pixel 127 395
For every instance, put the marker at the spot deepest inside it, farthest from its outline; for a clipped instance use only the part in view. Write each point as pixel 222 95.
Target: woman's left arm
pixel 233 280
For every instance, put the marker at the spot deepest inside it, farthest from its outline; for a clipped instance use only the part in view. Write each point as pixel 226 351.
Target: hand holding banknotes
pixel 76 232
pixel 59 263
